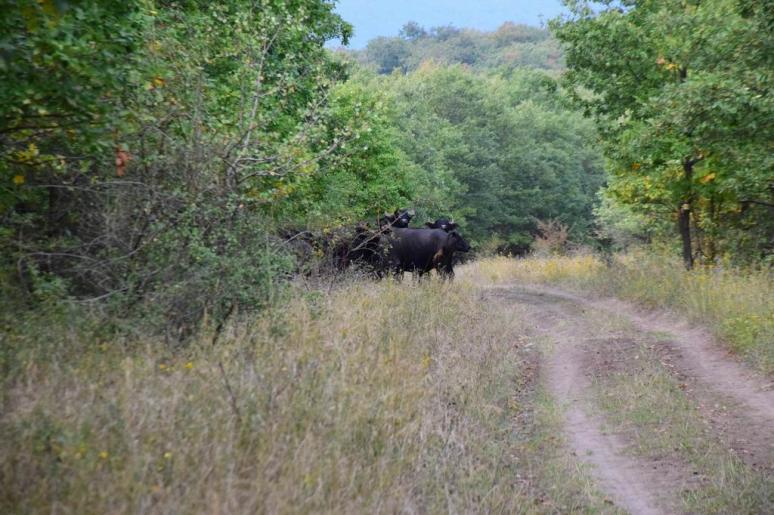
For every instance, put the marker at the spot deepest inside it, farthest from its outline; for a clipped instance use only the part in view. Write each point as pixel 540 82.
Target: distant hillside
pixel 510 46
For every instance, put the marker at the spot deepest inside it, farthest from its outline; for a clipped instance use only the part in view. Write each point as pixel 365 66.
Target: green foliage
pixel 144 147
pixel 388 54
pixel 361 178
pixel 64 67
pixel 681 92
pixel 623 225
pixel 152 151
pixel 498 151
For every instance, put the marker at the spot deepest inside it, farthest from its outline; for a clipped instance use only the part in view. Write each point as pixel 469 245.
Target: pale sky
pixel 372 18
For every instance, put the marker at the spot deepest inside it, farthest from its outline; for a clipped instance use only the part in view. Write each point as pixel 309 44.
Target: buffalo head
pixel 399 219
pixel 457 242
pixel 442 223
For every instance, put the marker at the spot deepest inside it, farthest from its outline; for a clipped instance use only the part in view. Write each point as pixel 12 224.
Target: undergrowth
pixel 358 397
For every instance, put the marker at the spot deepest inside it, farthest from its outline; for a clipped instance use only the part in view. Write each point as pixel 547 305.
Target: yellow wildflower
pixel 189 365
pixel 103 454
pixel 18 180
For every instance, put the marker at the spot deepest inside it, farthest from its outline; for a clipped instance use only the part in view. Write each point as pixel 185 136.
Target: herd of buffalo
pixel 392 248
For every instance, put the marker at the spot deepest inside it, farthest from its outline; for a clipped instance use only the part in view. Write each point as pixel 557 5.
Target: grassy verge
pixel 377 397
pixel 737 305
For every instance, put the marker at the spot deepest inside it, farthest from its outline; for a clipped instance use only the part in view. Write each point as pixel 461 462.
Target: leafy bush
pixel 552 238
pixel 145 145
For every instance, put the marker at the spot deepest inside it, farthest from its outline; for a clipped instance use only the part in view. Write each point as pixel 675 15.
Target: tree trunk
pixel 710 245
pixel 684 217
pixel 684 224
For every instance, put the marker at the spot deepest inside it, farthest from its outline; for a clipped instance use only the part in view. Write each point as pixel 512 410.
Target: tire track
pixel 735 400
pixel 636 485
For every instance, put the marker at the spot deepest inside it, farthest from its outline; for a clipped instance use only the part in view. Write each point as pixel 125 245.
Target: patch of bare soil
pixel 736 402
pixel 638 485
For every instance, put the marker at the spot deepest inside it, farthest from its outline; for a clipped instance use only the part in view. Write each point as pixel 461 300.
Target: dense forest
pixel 154 150
pixel 150 153
pixel 207 209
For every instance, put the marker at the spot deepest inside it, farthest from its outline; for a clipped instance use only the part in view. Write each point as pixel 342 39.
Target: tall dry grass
pixel 738 305
pixel 376 398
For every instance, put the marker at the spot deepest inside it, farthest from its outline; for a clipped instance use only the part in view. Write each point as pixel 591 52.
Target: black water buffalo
pixel 399 219
pixel 442 223
pixel 421 250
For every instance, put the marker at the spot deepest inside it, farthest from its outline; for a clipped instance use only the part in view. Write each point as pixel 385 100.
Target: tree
pixel 142 142
pixel 412 30
pixel 363 177
pixel 681 93
pixel 497 152
pixel 511 46
pixel 387 54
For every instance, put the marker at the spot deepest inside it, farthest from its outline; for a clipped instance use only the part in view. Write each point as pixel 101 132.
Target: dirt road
pixel 590 338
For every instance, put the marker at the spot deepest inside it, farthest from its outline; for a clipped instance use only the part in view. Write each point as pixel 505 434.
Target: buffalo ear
pixel 387 214
pixel 411 212
pixel 451 225
pixel 430 225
